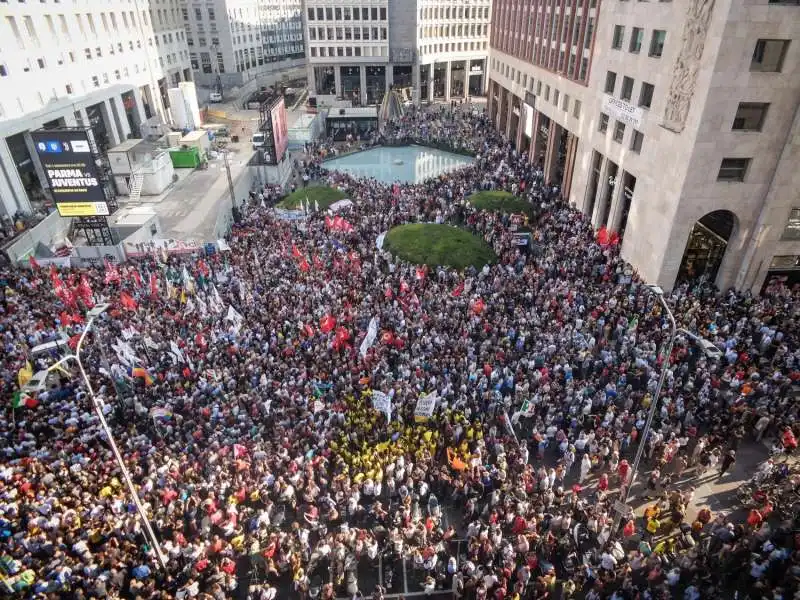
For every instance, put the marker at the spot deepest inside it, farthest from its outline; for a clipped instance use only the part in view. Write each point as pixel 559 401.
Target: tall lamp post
pixel 97 404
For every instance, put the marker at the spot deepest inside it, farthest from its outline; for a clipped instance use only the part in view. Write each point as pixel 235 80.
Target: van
pixel 258 140
pixel 55 349
pixel 41 381
pixel 215 97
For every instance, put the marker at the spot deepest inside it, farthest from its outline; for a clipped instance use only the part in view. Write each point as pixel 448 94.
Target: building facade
pixel 356 51
pixel 673 125
pixel 81 63
pixel 235 41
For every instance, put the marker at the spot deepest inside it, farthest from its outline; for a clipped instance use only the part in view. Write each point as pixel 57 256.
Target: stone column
pixel 311 78
pixel 551 154
pixel 617 203
pixel 12 194
pixel 111 127
pixel 389 74
pixel 534 137
pixel 600 195
pixel 138 108
pixel 416 79
pixel 509 112
pixel 118 109
pixel 569 164
pixel 337 81
pixel 490 100
pixel 430 81
pixel 520 130
pixel 363 72
pixel 447 81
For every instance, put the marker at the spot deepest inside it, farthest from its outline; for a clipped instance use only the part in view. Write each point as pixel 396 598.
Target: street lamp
pixel 97 404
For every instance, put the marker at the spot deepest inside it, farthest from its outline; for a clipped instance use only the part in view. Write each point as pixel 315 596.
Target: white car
pixel 215 96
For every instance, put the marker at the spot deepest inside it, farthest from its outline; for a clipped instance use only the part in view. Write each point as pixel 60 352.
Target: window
pixel 733 169
pixel 3 71
pixel 792 230
pixel 565 103
pixel 198 14
pixel 646 95
pixel 556 94
pixel 212 15
pixel 619 131
pixel 611 82
pixel 750 116
pixel 88 53
pixel 374 13
pixel 184 12
pixel 40 62
pixel 69 89
pixel 627 88
pixel 576 109
pixel 637 37
pixel 636 141
pixel 547 93
pixel 619 36
pixel 657 43
pixel 337 13
pixel 95 81
pixel 768 55
pixel 98 52
pixel 313 51
pixel 603 125
pixel 383 13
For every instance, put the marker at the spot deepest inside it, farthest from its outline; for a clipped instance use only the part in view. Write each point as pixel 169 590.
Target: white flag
pixel 235 318
pixel 176 352
pixel 316 205
pixel 382 403
pixel 426 404
pixel 369 339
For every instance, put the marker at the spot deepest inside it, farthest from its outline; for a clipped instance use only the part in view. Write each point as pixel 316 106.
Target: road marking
pixel 405 578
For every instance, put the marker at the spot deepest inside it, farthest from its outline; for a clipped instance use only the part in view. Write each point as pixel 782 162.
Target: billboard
pixel 280 129
pixel 73 177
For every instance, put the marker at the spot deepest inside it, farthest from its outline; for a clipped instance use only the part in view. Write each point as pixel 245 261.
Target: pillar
pixel 121 118
pixel 551 154
pixel 363 84
pixel 520 130
pixel 617 203
pixel 416 78
pixel 389 76
pixel 447 82
pixel 311 78
pixel 337 81
pixel 12 194
pixel 532 158
pixel 111 126
pixel 430 82
pixel 509 112
pixel 490 100
pixel 569 165
pixel 139 115
pixel 600 195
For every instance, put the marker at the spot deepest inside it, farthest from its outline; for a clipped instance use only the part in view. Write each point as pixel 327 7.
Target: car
pixel 41 381
pixel 215 96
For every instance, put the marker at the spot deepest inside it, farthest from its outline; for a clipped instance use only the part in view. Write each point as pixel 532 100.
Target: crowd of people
pixel 244 402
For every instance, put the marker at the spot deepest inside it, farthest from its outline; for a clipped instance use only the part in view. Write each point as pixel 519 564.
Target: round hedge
pixel 434 245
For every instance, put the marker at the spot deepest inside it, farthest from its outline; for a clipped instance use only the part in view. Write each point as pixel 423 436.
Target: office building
pixel 673 125
pixel 235 41
pixel 107 65
pixel 357 50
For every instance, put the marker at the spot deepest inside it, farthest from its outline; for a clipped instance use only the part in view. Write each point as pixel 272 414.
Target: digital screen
pixel 66 158
pixel 280 129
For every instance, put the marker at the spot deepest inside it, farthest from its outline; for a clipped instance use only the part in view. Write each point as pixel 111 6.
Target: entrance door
pixel 706 247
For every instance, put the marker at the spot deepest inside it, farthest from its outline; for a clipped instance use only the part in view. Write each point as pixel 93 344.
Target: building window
pixel 657 43
pixel 619 36
pixel 311 14
pixel 750 116
pixel 636 141
pixel 627 88
pixel 603 126
pixel 3 71
pixel 792 230
pixel 619 131
pixel 611 82
pixel 383 13
pixel 768 55
pixel 313 51
pixel 646 95
pixel 547 93
pixel 576 109
pixel 556 94
pixel 733 169
pixel 637 37
pixel 565 103
pixel 95 81
pixel 337 12
pixel 212 15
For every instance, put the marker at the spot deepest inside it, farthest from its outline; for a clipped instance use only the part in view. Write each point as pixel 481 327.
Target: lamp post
pixel 98 407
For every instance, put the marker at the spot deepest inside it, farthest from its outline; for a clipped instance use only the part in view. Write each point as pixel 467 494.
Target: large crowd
pixel 244 408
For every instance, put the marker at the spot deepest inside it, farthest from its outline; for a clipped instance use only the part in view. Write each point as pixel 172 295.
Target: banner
pixel 369 339
pixel 382 403
pixel 235 318
pixel 426 405
pixel 380 239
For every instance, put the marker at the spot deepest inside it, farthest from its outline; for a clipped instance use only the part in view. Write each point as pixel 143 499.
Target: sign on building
pixel 622 111
pixel 69 166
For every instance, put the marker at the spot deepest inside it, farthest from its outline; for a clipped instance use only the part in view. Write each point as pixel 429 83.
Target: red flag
pixel 137 277
pixel 296 252
pixel 404 287
pixel 387 337
pixel 53 273
pixel 73 341
pixel 478 306
pixel 112 272
pixel 153 285
pixel 127 301
pixel 304 267
pixel 317 263
pixel 84 291
pixel 602 236
pixel 328 222
pixel 614 239
pixel 203 267
pixel 327 323
pixel 338 223
pixel 33 263
pixel 239 451
pixel 388 294
pixel 421 272
pixel 459 289
pixel 200 340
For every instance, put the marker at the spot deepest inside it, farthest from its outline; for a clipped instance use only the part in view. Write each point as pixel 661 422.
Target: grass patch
pixel 324 195
pixel 503 202
pixel 433 245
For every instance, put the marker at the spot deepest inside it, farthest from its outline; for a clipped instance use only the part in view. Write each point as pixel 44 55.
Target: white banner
pixel 622 111
pixel 426 405
pixel 380 239
pixel 382 403
pixel 234 317
pixel 369 339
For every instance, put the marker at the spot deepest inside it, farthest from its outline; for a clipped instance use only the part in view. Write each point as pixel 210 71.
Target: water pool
pixel 418 163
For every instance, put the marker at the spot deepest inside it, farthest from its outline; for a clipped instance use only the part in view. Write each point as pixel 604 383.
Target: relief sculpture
pixel 684 74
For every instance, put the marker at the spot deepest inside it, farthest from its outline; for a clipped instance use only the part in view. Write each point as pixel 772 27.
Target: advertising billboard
pixel 73 177
pixel 280 129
